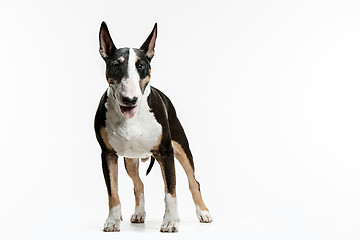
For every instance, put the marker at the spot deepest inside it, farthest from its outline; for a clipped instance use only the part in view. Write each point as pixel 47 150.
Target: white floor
pixel 67 224
pixel 189 229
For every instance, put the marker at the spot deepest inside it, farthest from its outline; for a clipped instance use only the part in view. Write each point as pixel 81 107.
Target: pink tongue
pixel 128 112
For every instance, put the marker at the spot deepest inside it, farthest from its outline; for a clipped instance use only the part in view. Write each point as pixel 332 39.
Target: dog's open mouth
pixel 128 112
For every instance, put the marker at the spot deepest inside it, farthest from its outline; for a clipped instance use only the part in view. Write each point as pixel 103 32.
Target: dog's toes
pixel 112 225
pixel 138 218
pixel 170 226
pixel 203 215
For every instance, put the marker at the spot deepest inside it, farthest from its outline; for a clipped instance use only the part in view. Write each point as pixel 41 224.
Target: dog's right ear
pixel 107 46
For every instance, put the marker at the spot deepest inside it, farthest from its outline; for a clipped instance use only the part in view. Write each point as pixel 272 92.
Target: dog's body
pixel 136 121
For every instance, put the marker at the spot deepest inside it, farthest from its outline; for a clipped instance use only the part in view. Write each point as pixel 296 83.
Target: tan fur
pixel 111 80
pixel 132 168
pixel 122 59
pixel 113 172
pixel 104 137
pixel 144 81
pixel 193 185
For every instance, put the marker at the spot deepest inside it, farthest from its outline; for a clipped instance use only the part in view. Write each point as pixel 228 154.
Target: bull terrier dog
pixel 137 121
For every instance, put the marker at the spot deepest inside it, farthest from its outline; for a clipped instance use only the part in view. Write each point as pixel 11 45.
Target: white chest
pixel 134 137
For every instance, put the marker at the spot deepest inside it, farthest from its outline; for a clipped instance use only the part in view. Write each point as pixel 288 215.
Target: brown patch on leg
pixel 193 184
pixel 132 168
pixel 113 173
pixel 110 170
pixel 104 137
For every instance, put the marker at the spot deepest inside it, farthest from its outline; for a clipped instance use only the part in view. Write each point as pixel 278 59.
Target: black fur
pixel 100 117
pixel 150 165
pixel 176 130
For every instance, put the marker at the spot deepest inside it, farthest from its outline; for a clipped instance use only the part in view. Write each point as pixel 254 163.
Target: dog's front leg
pixel 132 168
pixel 110 169
pixel 171 218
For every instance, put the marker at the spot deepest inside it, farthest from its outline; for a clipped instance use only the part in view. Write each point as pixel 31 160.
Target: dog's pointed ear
pixel 149 45
pixel 107 46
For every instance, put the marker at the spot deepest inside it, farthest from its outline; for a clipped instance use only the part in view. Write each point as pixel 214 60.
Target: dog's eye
pixel 141 66
pixel 116 65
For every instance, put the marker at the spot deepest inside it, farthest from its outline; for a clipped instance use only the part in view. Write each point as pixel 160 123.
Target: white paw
pixel 138 217
pixel 171 217
pixel 170 225
pixel 203 215
pixel 112 225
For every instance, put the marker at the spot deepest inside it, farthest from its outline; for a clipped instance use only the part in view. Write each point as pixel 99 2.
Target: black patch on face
pixel 142 64
pixel 143 68
pixel 115 68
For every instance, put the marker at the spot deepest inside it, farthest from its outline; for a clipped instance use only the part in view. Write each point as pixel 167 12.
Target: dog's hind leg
pixel 110 170
pixel 183 154
pixel 132 168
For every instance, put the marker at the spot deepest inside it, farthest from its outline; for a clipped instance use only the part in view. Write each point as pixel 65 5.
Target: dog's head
pixel 127 69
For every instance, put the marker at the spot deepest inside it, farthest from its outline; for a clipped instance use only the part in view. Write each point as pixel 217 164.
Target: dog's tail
pixel 151 165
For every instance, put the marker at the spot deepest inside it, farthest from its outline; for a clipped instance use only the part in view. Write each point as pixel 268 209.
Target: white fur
pixel 132 137
pixel 131 87
pixel 112 223
pixel 139 213
pixel 171 218
pixel 203 215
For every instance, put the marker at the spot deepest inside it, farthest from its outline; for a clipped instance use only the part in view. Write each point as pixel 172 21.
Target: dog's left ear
pixel 149 45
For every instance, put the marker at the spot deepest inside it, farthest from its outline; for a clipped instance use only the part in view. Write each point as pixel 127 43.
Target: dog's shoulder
pixel 99 123
pixel 159 98
pixel 100 115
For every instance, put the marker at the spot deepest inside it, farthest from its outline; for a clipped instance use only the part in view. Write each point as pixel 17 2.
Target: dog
pixel 137 121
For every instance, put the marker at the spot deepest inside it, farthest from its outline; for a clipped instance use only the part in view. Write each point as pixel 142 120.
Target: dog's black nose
pixel 129 101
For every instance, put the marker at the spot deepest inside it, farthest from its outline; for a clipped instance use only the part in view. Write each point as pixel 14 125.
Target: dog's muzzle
pixel 128 106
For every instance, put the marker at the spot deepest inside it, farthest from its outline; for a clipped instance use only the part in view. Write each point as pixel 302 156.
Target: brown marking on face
pixel 144 82
pixel 122 59
pixel 111 80
pixel 132 168
pixel 113 172
pixel 104 137
pixel 193 184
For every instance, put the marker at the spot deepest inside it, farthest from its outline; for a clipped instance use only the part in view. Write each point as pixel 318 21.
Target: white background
pixel 267 91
